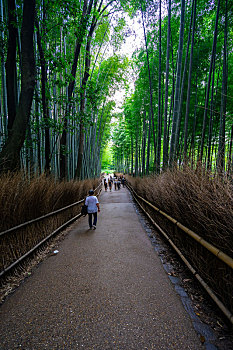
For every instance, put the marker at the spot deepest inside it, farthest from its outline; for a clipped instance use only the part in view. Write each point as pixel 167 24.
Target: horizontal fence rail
pixel 45 216
pixel 213 250
pixel 41 218
pixel 217 252
pixel 15 228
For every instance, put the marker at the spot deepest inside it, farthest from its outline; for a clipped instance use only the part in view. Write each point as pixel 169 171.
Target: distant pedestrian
pixel 123 181
pixel 105 185
pixel 110 185
pixel 118 183
pixel 115 184
pixel 92 208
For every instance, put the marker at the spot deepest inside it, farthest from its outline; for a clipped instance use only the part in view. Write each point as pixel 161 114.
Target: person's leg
pixel 95 219
pixel 90 219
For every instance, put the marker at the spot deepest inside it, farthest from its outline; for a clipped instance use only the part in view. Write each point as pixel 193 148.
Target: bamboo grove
pixel 61 66
pixel 59 71
pixel 180 110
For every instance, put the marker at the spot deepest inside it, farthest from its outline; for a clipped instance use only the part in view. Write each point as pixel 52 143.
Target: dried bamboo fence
pixel 212 268
pixel 19 242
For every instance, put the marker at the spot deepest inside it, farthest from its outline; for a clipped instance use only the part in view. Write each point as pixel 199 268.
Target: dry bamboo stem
pixel 45 216
pixel 222 307
pixel 217 252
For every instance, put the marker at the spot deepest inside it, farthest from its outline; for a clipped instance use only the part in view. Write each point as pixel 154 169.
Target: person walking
pixel 115 183
pixel 93 206
pixel 105 185
pixel 110 185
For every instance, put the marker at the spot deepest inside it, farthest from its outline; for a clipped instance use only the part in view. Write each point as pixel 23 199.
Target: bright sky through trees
pixel 133 41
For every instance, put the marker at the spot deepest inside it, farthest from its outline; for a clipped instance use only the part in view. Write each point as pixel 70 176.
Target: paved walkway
pixel 105 290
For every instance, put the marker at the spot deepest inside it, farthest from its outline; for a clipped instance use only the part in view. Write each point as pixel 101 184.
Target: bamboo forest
pixel 133 86
pixel 121 110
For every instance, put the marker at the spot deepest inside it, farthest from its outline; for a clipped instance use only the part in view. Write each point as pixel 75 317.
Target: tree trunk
pixel 148 147
pixel 144 144
pixel 38 130
pixel 83 97
pixel 172 95
pixel 179 117
pixel 159 125
pixel 44 81
pixel 230 156
pixel 165 134
pixel 136 155
pixel 11 75
pixel 10 155
pixel 177 89
pixel 132 155
pixel 4 88
pixel 189 83
pixel 150 85
pixel 221 147
pixel 211 120
pixel 208 85
pixel 82 28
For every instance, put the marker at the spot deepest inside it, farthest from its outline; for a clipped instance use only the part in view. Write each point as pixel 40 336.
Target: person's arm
pixel 98 206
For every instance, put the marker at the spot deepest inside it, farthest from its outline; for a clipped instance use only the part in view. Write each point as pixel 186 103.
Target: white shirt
pixel 91 202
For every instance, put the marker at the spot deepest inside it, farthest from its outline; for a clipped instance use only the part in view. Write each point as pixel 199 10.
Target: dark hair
pixel 91 192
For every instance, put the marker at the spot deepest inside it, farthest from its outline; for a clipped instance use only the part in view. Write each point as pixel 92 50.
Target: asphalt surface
pixel 106 289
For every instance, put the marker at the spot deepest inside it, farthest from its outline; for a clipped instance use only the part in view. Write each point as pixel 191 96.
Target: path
pixel 105 290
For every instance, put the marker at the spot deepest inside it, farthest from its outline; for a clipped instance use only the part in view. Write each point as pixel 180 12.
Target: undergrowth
pixel 204 204
pixel 201 202
pixel 23 199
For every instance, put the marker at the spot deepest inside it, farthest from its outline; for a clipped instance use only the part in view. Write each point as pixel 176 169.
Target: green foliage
pixel 138 104
pixel 102 33
pixel 60 30
pixel 107 158
pixel 118 35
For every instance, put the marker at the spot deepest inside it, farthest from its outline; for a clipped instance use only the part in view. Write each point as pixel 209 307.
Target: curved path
pixel 105 289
